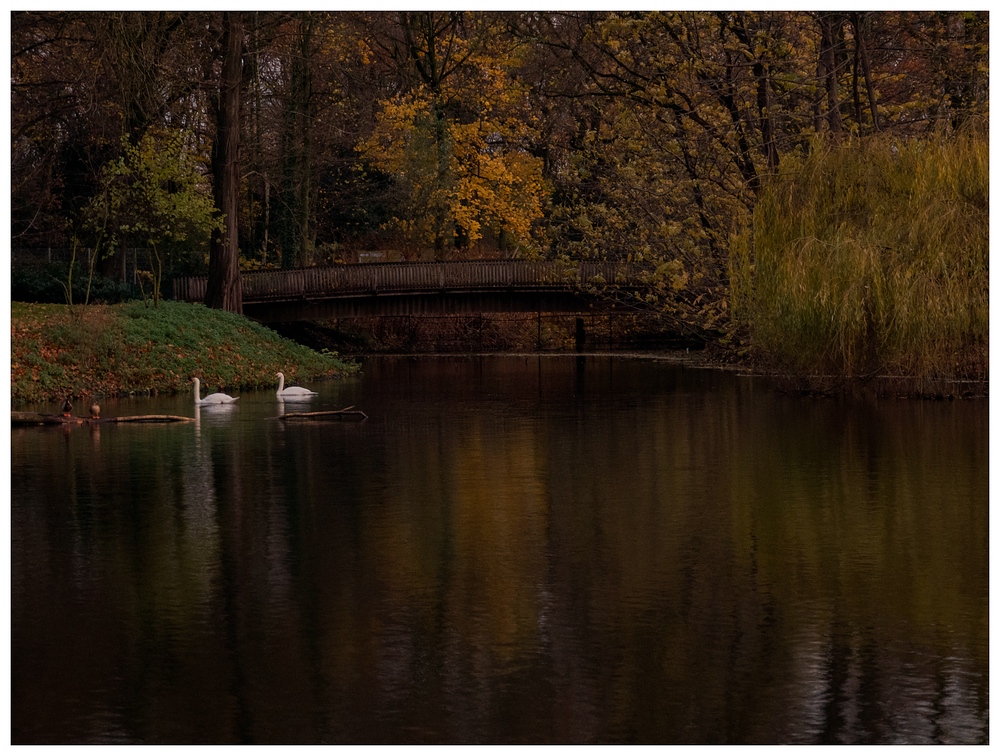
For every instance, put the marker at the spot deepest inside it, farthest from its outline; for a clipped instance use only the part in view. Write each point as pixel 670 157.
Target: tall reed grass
pixel 871 258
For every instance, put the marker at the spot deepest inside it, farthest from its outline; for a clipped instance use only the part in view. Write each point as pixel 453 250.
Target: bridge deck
pixel 416 287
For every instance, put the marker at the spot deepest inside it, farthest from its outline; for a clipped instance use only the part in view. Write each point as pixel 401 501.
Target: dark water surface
pixel 510 549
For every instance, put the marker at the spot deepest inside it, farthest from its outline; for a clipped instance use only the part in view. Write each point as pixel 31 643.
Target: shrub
pixel 44 285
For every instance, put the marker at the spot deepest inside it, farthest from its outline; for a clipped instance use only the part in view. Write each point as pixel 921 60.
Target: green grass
pixel 109 350
pixel 872 258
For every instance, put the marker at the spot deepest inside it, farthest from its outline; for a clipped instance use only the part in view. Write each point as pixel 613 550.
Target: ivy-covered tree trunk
pixel 224 290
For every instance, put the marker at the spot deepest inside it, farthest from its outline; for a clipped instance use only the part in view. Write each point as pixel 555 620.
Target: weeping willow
pixel 871 258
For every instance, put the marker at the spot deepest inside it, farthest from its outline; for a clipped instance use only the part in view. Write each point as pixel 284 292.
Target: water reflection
pixel 508 550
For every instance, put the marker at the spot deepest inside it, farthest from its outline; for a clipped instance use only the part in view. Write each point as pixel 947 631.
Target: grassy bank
pixel 111 350
pixel 872 259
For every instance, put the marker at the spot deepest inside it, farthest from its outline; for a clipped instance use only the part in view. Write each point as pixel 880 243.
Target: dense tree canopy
pixel 634 136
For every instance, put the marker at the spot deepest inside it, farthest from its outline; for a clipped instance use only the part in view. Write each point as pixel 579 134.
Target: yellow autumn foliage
pixel 461 153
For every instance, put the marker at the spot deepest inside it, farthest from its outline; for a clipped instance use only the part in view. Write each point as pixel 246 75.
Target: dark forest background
pixel 263 139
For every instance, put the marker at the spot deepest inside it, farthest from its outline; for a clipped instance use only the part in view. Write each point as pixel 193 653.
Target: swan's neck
pixel 197 390
pixel 281 383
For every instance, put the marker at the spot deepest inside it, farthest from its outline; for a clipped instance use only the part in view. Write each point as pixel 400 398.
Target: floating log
pixel 344 414
pixel 147 419
pixel 39 418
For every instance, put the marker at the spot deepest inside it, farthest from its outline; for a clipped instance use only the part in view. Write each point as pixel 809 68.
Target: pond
pixel 510 549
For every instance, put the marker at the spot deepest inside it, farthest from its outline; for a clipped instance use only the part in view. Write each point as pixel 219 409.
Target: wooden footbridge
pixel 417 288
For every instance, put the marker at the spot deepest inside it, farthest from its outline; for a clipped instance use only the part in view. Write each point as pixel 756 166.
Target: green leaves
pixel 155 195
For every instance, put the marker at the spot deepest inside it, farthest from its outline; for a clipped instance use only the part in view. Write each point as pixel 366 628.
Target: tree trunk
pixel 442 180
pixel 855 79
pixel 293 210
pixel 224 289
pixel 873 104
pixel 769 145
pixel 828 71
pixel 284 208
pixel 859 22
pixel 761 73
pixel 302 87
pixel 743 158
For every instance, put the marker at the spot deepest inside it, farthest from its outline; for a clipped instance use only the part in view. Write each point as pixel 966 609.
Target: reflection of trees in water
pixel 665 601
pixel 849 688
pixel 734 520
pixel 688 566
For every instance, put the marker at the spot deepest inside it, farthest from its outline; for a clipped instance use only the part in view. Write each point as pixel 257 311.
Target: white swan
pixel 292 392
pixel 211 398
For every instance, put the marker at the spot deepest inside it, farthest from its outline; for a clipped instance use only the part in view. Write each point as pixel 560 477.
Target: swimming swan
pixel 211 398
pixel 292 392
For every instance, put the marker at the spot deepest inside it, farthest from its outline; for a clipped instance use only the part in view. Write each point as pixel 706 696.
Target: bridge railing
pixel 402 277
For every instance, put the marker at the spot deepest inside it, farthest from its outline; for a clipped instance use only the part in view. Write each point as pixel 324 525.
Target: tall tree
pixel 145 54
pixel 297 146
pixel 81 81
pixel 224 289
pixel 829 68
pixel 64 123
pixel 458 130
pixel 860 24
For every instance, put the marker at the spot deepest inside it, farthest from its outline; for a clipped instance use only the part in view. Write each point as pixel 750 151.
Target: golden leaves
pixel 463 174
